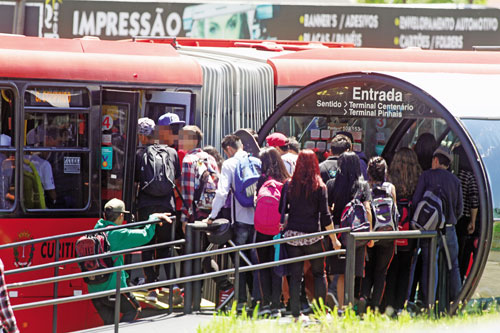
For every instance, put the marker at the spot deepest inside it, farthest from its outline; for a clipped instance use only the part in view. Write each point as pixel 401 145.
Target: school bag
pixel 385 213
pixel 246 175
pixel 205 185
pixel 267 214
pixel 157 172
pixel 354 216
pixel 94 244
pixel 404 244
pixel 429 213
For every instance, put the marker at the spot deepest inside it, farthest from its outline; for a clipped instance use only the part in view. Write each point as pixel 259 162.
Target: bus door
pixel 118 141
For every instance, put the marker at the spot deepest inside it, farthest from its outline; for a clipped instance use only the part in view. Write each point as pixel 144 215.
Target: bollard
pixel 117 300
pixel 188 270
pixel 350 265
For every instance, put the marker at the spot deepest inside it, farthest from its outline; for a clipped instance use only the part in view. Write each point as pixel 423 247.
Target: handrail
pixel 171 260
pixel 353 237
pixel 175 281
pixel 81 233
pixel 95 256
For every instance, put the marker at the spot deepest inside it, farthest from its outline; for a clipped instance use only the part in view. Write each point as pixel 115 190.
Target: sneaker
pixel 225 296
pixel 178 296
pixel 275 313
pixel 302 319
pixel 152 296
pixel 264 311
pixel 331 301
pixel 305 308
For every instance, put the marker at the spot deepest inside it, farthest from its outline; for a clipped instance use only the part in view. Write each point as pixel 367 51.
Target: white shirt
pixel 290 162
pixel 44 170
pixel 226 181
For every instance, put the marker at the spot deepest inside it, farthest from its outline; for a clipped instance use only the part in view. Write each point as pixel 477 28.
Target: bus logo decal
pixel 23 255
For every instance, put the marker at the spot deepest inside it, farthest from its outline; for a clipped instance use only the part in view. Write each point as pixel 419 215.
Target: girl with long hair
pixel 272 168
pixel 403 174
pixel 307 206
pixel 380 255
pixel 347 184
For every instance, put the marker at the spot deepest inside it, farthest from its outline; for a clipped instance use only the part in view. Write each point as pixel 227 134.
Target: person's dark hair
pixel 272 164
pixel 377 169
pixel 348 183
pixel 293 144
pixel 197 131
pixel 232 141
pixel 463 161
pixel 306 178
pixel 340 143
pixel 109 215
pixel 404 172
pixel 443 160
pixel 215 154
pixel 424 148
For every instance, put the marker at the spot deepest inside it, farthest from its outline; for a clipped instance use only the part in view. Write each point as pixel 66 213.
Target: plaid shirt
pixel 188 178
pixel 6 313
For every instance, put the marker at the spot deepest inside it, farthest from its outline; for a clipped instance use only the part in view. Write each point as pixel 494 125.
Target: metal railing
pixel 192 260
pixel 354 237
pixel 187 279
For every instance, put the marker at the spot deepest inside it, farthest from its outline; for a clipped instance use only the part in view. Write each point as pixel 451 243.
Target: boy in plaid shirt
pixel 196 163
pixel 6 313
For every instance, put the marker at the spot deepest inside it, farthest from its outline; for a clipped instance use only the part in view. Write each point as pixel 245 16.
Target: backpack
pixel 246 175
pixel 385 213
pixel 429 213
pixel 205 185
pixel 354 216
pixel 404 244
pixel 267 216
pixel 33 193
pixel 94 244
pixel 157 173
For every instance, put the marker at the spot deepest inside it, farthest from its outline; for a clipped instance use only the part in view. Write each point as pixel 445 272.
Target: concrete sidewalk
pixel 176 322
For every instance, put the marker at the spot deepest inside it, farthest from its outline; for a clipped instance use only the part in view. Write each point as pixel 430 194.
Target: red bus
pixel 72 106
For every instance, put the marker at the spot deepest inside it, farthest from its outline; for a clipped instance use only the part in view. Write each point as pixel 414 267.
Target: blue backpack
pixel 245 180
pixel 355 217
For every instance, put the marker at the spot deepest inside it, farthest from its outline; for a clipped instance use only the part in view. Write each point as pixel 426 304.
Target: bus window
pixel 7 149
pixel 487 139
pixel 56 149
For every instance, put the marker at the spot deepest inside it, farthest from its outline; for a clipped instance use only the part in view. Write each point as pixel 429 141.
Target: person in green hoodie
pixel 114 215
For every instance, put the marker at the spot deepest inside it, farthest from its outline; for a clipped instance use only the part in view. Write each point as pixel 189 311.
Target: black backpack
pixel 94 244
pixel 430 211
pixel 157 172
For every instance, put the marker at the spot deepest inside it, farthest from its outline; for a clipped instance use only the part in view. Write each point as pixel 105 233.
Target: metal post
pixel 349 270
pixel 117 300
pixel 197 270
pixel 236 277
pixel 188 268
pixel 432 271
pixel 171 269
pixel 56 285
pixel 19 17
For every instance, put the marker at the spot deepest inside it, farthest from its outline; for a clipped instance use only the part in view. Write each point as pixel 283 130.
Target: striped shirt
pixel 470 191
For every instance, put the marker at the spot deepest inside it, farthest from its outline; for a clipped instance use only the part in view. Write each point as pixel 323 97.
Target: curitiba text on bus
pixel 369 102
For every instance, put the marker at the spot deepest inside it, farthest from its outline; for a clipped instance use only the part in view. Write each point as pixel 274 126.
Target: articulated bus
pixel 72 106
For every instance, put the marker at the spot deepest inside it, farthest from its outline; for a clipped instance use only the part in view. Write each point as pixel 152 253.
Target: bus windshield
pixel 487 140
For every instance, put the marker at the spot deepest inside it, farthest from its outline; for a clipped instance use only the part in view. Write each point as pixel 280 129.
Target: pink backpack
pixel 267 214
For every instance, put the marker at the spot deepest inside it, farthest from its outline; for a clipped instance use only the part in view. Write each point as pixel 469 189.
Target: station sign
pixel 363 100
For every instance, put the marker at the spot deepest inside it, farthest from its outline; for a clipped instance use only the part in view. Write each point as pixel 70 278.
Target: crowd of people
pixel 313 196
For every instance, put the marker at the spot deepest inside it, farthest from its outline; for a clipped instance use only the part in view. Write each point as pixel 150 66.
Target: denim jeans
pixel 454 281
pixel 243 234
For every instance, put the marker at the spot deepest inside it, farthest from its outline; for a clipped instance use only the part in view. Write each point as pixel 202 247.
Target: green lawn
pixel 479 317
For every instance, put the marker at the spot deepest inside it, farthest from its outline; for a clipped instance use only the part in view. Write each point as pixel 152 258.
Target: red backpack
pixel 93 244
pixel 267 213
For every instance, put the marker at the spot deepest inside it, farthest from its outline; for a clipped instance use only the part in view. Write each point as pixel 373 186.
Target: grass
pixel 474 314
